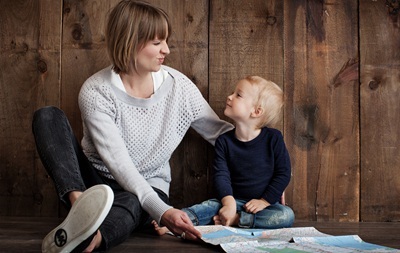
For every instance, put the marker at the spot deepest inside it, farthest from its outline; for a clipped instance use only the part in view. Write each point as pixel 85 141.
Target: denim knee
pixel 289 215
pixel 274 216
pixel 203 213
pixel 47 113
pixel 125 216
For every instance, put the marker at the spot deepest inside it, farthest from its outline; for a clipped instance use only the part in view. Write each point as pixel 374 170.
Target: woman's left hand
pixel 178 222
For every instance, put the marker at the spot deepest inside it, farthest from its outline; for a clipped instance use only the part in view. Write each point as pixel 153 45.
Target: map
pixel 217 235
pixel 294 240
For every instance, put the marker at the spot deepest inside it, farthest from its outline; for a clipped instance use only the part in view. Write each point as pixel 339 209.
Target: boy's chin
pixel 227 114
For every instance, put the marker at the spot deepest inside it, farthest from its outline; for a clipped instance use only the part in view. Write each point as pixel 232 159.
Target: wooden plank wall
pixel 380 110
pixel 338 63
pixel 321 118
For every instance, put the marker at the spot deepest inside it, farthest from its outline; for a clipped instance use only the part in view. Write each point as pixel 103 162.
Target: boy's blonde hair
pixel 131 24
pixel 270 100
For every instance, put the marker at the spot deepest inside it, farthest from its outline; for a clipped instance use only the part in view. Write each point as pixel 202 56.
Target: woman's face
pixel 152 55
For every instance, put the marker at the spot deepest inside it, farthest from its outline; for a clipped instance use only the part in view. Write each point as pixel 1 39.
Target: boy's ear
pixel 258 111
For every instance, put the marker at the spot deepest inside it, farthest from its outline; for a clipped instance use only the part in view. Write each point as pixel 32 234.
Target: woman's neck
pixel 139 86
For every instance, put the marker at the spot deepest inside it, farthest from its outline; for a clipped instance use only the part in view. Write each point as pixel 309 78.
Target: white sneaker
pixel 83 220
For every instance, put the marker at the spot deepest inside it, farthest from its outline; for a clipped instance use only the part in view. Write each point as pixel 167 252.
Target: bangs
pixel 131 24
pixel 156 25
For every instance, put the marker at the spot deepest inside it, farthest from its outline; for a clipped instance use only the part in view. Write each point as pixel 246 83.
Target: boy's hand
pixel 283 200
pixel 227 214
pixel 256 205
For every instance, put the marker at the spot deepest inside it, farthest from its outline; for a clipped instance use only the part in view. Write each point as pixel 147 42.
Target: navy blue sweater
pixel 256 169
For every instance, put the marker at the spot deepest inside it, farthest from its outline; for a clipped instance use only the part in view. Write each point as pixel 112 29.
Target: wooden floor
pixel 22 234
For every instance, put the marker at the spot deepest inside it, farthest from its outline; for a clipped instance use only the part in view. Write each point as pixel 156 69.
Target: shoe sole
pixel 84 218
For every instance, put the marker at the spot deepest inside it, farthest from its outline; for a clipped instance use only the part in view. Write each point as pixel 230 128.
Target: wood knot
pixel 42 66
pixel 189 18
pixel 77 32
pixel 373 84
pixel 271 20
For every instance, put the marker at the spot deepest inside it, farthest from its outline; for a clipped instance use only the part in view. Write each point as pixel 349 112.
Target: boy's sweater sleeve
pixel 282 171
pixel 221 174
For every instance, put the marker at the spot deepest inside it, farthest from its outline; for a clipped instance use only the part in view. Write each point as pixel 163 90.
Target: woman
pixel 135 113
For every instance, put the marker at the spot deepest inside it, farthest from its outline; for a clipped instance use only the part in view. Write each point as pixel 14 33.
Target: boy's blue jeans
pixel 274 216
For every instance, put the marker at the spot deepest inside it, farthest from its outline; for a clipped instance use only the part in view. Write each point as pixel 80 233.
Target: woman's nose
pixel 165 48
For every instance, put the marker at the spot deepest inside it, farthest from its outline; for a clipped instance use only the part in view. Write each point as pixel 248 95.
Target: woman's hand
pixel 178 222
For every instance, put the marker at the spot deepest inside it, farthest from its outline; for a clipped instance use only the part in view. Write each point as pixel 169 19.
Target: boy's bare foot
pixel 217 220
pixel 235 222
pixel 163 230
pixel 159 230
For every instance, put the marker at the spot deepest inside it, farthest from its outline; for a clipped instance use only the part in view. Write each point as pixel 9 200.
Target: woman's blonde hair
pixel 270 100
pixel 131 24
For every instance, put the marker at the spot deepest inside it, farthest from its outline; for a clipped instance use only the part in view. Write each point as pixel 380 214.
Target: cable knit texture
pixel 131 139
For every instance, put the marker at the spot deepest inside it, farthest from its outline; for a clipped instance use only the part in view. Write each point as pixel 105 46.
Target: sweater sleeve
pixel 113 152
pixel 282 171
pixel 221 173
pixel 209 125
pixel 206 122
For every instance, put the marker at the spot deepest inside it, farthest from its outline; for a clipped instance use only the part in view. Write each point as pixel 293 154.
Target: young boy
pixel 252 165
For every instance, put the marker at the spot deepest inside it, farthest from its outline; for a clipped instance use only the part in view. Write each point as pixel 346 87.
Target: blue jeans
pixel 70 170
pixel 274 216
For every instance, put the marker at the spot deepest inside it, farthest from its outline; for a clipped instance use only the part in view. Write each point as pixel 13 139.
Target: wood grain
pixel 380 112
pixel 29 78
pixel 245 39
pixel 321 116
pixel 338 63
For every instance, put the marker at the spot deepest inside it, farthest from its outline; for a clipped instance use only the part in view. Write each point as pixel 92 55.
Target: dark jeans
pixel 70 170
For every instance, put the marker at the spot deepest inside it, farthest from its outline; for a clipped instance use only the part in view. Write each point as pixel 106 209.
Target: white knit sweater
pixel 131 139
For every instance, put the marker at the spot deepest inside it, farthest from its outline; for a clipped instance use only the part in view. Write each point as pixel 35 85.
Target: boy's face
pixel 241 104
